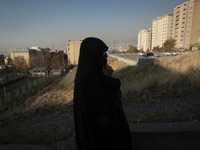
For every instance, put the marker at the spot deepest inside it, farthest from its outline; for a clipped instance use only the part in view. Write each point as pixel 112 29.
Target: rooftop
pixel 36 69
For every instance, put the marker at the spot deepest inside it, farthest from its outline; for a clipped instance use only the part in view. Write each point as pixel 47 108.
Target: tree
pixel 54 61
pixel 169 44
pixel 20 63
pixel 132 49
pixel 157 48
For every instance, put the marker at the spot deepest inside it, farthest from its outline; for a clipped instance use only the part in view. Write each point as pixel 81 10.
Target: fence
pixel 10 98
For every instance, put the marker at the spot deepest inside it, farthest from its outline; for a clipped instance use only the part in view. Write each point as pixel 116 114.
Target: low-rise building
pixel 38 71
pixel 33 56
pixel 20 53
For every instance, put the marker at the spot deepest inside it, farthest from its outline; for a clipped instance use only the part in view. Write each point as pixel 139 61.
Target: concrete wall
pixel 143 61
pixel 139 62
pixel 125 60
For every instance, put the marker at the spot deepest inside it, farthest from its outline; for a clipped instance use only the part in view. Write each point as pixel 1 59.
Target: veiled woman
pixel 100 122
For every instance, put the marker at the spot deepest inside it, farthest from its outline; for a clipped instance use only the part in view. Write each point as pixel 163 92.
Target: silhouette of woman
pixel 100 122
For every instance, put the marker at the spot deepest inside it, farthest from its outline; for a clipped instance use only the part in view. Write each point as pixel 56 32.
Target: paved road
pixel 132 58
pixel 135 56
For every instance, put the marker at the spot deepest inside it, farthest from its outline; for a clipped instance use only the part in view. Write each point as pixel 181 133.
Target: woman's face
pixel 102 60
pixel 105 55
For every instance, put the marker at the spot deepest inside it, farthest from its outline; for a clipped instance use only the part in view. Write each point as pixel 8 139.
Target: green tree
pixel 169 44
pixel 157 48
pixel 132 49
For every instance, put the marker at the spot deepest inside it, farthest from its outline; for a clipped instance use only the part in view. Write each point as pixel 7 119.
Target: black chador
pixel 100 122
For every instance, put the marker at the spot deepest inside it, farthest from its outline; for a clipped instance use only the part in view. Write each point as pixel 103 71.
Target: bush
pixel 132 49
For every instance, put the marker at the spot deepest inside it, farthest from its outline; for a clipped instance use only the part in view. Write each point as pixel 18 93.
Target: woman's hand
pixel 107 70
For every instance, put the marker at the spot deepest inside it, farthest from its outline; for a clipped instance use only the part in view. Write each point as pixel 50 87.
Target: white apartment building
pixel 144 39
pixel 161 30
pixel 186 29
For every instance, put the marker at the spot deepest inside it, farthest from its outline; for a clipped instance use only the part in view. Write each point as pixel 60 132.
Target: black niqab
pixel 99 118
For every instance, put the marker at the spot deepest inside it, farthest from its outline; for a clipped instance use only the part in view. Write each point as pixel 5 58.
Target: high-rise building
pixel 161 30
pixel 144 39
pixel 186 30
pixel 73 51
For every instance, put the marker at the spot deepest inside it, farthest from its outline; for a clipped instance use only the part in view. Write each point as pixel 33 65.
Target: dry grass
pixel 56 95
pixel 180 74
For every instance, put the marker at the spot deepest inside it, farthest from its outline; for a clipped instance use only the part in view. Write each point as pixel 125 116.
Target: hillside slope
pixel 47 117
pixel 166 91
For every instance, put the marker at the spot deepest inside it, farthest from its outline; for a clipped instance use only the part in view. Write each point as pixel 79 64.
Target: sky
pixel 52 23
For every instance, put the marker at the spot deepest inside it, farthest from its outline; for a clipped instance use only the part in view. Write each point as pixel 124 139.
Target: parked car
pixel 141 53
pixel 176 53
pixel 168 53
pixel 156 55
pixel 148 54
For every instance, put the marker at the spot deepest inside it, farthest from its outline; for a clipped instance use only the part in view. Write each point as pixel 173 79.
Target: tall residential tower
pixel 144 39
pixel 186 30
pixel 161 30
pixel 73 51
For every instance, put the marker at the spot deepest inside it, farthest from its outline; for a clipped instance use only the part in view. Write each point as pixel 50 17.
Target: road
pixel 132 58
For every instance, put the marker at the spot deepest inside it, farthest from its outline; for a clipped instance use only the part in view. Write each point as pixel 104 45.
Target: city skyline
pixel 48 23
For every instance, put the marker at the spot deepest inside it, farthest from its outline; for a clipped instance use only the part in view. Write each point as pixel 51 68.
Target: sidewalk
pixel 145 136
pixel 166 136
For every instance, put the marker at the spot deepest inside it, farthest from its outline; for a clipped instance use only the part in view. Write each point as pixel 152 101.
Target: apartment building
pixel 22 53
pixel 161 30
pixel 32 57
pixel 73 51
pixel 144 39
pixel 186 30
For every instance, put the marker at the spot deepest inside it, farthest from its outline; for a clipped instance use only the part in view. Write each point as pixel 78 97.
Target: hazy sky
pixel 45 23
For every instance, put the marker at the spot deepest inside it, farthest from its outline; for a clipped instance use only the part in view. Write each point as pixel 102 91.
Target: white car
pixel 165 53
pixel 175 53
pixel 168 53
pixel 141 53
